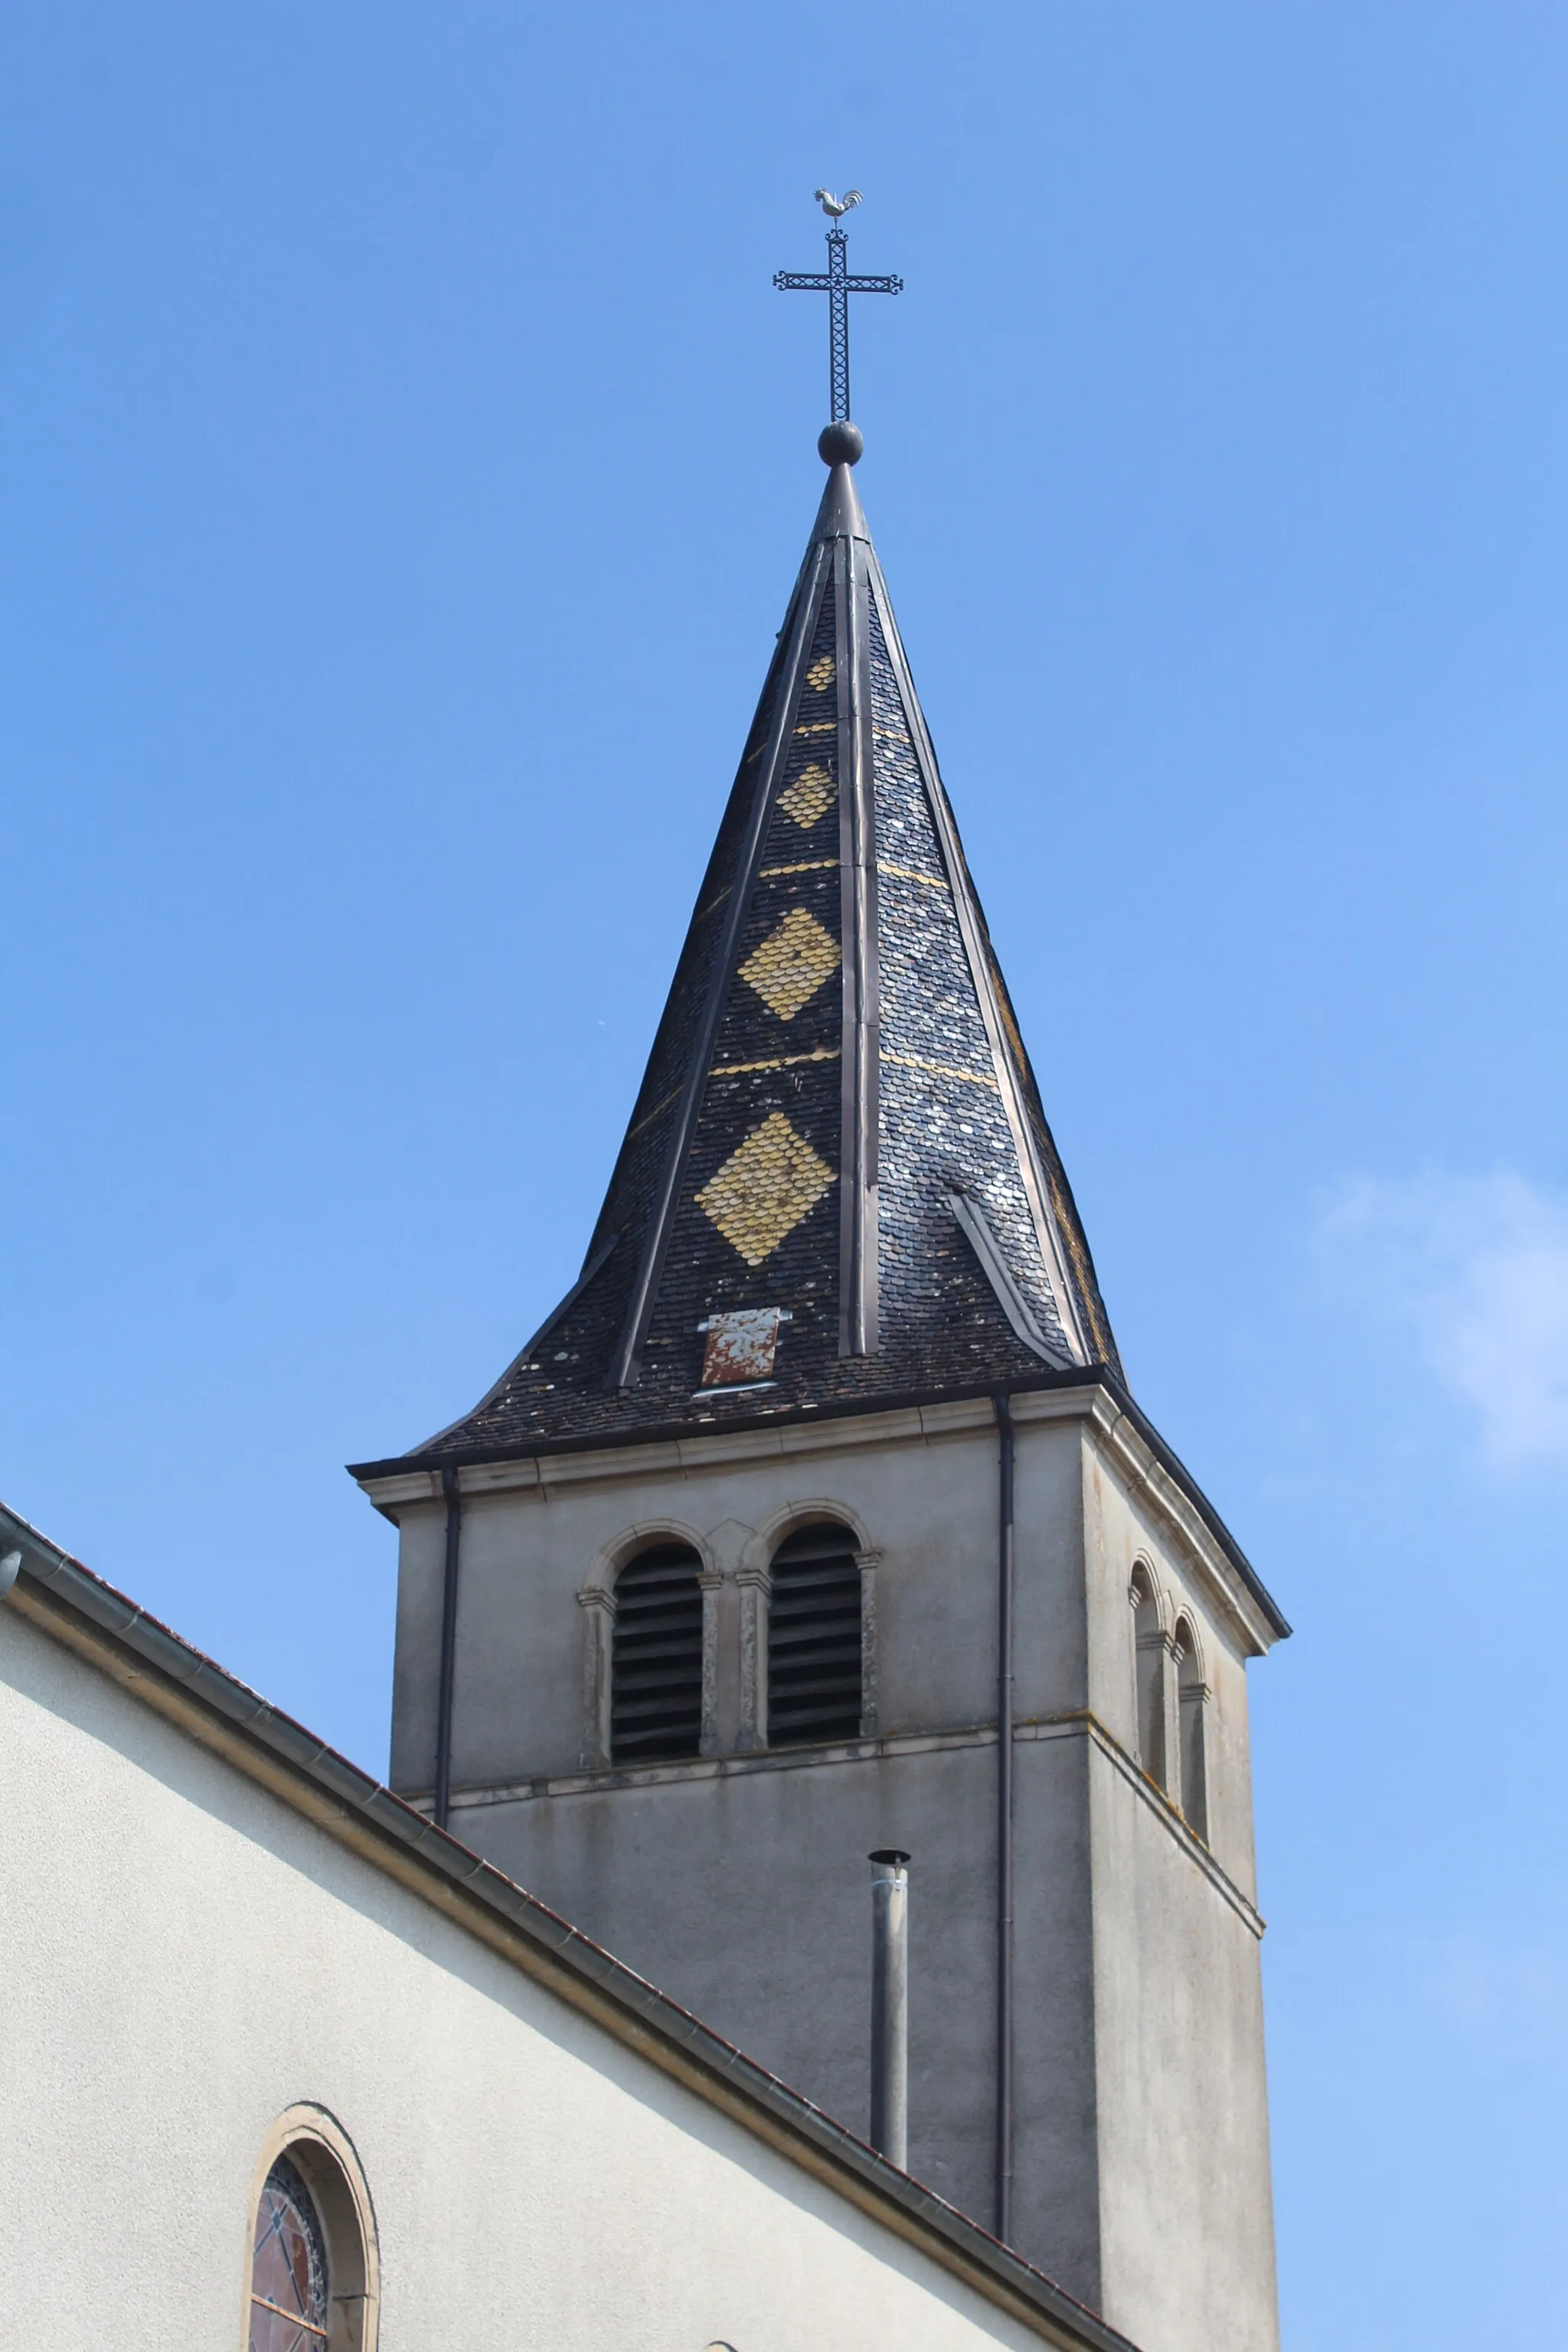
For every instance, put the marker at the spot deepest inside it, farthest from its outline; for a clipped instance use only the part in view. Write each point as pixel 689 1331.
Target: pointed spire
pixel 840 515
pixel 837 1183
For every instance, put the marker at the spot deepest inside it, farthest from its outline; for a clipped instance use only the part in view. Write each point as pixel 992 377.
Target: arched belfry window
pixel 814 1673
pixel 656 1658
pixel 1149 1637
pixel 289 2296
pixel 1192 1696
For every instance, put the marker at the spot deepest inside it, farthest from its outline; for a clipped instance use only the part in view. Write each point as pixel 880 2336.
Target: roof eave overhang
pixel 1149 1461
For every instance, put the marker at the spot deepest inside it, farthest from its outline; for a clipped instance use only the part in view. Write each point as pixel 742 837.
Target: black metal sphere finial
pixel 840 443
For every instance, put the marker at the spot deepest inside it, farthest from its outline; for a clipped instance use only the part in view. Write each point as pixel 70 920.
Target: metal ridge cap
pixel 115 1617
pixel 608 1441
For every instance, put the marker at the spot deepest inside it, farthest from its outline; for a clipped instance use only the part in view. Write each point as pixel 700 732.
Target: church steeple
pixel 816 1521
pixel 837 1184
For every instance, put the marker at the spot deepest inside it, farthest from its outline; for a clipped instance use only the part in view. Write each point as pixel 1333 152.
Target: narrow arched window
pixel 656 1658
pixel 1191 1697
pixel 315 2271
pixel 290 2292
pixel 814 1637
pixel 1149 1638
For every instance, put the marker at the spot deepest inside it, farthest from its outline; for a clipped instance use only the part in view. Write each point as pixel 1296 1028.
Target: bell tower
pixel 818 1518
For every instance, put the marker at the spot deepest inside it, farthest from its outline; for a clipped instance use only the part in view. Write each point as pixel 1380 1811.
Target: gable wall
pixel 192 1958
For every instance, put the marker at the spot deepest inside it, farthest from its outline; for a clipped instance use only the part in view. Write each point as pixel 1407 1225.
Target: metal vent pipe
pixel 890 2006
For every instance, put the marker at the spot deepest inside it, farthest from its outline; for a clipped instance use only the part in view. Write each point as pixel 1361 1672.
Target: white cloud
pixel 1496 1976
pixel 1476 1270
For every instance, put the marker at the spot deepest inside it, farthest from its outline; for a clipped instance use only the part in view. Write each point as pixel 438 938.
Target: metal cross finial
pixel 836 282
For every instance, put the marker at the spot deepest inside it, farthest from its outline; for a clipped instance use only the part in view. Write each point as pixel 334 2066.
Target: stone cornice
pixel 393 1488
pixel 1139 1457
pixel 1235 1601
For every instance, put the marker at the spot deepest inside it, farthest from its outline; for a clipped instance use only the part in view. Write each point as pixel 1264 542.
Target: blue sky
pixel 406 463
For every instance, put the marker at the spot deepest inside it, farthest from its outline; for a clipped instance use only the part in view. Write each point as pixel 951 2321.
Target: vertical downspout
pixel 448 1650
pixel 1005 1822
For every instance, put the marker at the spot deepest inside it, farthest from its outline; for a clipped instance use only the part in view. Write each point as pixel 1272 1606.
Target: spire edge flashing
pixel 973 1222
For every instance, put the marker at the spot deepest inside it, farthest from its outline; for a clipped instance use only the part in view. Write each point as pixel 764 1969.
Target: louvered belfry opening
pixel 656 1659
pixel 814 1638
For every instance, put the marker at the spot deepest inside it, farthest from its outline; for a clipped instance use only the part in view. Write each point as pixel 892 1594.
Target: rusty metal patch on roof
pixel 741 1345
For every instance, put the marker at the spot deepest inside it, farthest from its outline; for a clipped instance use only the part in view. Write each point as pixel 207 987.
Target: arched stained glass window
pixel 288 2285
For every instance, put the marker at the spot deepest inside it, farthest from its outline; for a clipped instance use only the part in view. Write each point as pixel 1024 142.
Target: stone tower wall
pixel 738 1882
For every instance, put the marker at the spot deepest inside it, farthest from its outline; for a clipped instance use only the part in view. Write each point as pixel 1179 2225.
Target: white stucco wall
pixel 184 1955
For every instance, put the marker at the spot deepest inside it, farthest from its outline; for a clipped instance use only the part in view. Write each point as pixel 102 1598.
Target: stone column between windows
pixel 1171 1720
pixel 711 1581
pixel 869 1562
pixel 1151 1696
pixel 1192 1714
pixel 755 1586
pixel 598 1608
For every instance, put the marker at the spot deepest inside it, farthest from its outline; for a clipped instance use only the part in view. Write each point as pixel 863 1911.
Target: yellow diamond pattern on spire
pixel 819 677
pixel 791 964
pixel 765 1188
pixel 804 800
